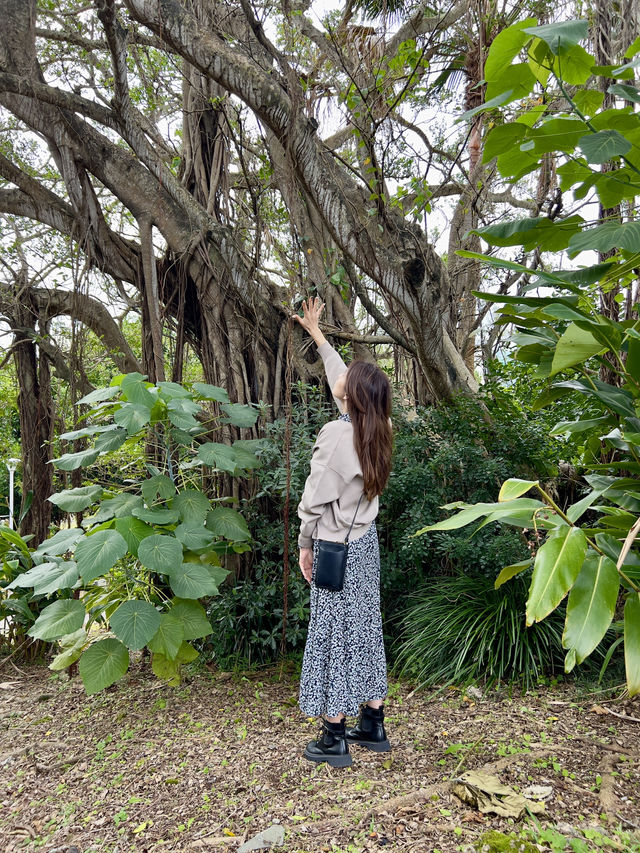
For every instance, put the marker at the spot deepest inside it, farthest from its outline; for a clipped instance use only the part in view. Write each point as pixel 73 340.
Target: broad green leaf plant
pixel 587 551
pixel 144 557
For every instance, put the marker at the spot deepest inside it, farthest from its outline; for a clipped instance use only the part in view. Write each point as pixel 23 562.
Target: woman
pixel 344 664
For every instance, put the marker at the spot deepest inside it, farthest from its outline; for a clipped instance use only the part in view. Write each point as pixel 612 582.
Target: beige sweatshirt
pixel 335 483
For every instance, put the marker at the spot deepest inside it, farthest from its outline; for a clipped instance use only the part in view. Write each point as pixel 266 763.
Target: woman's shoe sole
pixel 373 745
pixel 333 760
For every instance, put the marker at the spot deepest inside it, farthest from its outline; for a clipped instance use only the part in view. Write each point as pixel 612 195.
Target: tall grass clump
pixel 460 629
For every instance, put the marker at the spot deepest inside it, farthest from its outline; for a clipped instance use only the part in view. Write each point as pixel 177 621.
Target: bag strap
pixel 346 541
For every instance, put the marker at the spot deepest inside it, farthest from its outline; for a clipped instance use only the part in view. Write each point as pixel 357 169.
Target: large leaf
pixel 194 535
pixel 240 415
pixel 600 147
pixel 29 579
pixel 133 531
pixel 60 618
pixel 532 232
pixel 159 486
pixel 582 425
pixel 590 607
pixel 135 623
pixel 211 392
pixel 616 399
pixel 506 46
pixel 99 395
pixel 219 456
pixel 71 461
pixel 472 513
pixel 102 664
pixel 72 647
pixel 192 580
pixel 75 500
pixel 132 416
pixel 61 542
pixel 193 618
pixel 166 669
pixel 514 488
pixel 117 506
pixel 97 553
pixel 560 36
pixel 135 390
pixel 111 439
pixel 181 413
pixel 61 575
pixel 605 237
pixel 169 636
pixel 511 571
pixel 228 523
pixel 632 642
pixel 556 567
pixel 575 346
pixel 156 516
pixel 191 505
pixel 161 552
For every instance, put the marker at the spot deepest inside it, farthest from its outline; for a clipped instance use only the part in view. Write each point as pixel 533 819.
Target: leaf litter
pixel 213 763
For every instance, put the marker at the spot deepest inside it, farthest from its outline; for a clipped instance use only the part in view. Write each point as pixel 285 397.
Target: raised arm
pixel 334 366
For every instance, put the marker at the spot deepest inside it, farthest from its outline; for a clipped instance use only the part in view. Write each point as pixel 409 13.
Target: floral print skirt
pixel 344 662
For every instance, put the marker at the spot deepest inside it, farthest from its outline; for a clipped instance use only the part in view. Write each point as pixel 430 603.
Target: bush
pixel 460 629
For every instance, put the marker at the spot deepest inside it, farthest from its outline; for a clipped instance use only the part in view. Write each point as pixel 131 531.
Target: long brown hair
pixel 368 393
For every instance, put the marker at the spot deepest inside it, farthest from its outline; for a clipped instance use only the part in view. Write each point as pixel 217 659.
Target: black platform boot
pixel 331 746
pixel 369 730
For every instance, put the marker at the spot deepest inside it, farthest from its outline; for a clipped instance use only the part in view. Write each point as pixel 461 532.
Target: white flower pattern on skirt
pixel 344 663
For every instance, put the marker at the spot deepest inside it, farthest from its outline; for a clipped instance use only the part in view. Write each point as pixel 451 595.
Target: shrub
pixel 461 629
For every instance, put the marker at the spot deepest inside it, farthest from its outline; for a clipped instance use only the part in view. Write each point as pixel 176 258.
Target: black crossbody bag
pixel 331 561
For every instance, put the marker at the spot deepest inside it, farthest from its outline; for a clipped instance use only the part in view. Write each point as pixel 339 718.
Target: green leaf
pixel 117 506
pixel 555 569
pixel 166 670
pixel 532 232
pixel 171 390
pixel 99 395
pixel 240 415
pixel 97 553
pixel 186 653
pixel 194 535
pixel 591 605
pixel 211 392
pixel 575 346
pixel 632 642
pixel 624 90
pixel 71 461
pixel 560 36
pixel 511 571
pixel 61 542
pixel 219 456
pixel 135 623
pixel 135 390
pixel 573 427
pixel 498 101
pixel 34 576
pixel 156 516
pixel 161 552
pixel 192 580
pixel 75 500
pixel 102 664
pixel 472 513
pixel 132 416
pixel 61 575
pixel 193 618
pixel 574 66
pixel 228 523
pixel 516 79
pixel 514 488
pixel 502 138
pixel 245 457
pixel 602 146
pixel 110 440
pixel 191 505
pixel 605 237
pixel 169 636
pixel 159 486
pixel 72 647
pixel 616 399
pixel 181 413
pixel 506 46
pixel 60 618
pixel 133 531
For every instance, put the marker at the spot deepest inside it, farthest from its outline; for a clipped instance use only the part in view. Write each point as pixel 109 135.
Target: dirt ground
pixel 145 767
